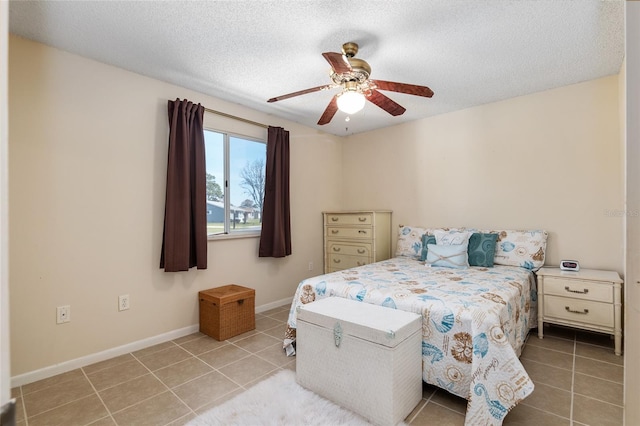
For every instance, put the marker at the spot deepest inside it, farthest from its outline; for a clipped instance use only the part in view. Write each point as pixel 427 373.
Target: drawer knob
pixel 334 231
pixel 336 260
pixel 585 291
pixel 334 218
pixel 362 219
pixel 336 248
pixel 583 312
pixel 362 231
pixel 361 251
pixel 361 263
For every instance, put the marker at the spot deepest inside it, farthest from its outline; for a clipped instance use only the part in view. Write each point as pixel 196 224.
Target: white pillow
pixel 445 238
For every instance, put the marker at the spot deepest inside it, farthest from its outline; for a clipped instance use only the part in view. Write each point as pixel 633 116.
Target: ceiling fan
pixel 352 76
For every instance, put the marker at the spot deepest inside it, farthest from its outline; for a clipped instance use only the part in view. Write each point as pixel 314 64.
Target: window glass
pixel 235 183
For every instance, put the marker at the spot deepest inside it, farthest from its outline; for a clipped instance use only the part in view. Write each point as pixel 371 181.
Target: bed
pixel 475 318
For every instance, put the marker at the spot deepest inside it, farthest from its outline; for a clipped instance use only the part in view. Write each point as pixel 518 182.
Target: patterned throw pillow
pixel 410 241
pixel 482 249
pixel 520 248
pixel 449 256
pixel 426 239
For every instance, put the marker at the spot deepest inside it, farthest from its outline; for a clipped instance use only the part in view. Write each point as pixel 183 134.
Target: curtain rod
pixel 224 114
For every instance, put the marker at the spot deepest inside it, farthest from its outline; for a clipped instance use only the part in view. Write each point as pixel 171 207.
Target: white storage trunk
pixel 363 357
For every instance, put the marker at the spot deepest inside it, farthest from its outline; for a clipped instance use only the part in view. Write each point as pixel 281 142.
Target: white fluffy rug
pixel 278 400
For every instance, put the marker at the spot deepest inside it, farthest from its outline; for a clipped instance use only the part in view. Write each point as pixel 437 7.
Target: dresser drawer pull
pixel 336 248
pixel 361 251
pixel 583 312
pixel 361 263
pixel 362 219
pixel 335 218
pixel 334 231
pixel 362 231
pixel 585 291
pixel 336 260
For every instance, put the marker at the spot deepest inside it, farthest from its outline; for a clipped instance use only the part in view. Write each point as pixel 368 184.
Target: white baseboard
pixel 63 367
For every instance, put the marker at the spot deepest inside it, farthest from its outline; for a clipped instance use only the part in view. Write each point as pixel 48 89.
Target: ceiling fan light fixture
pixel 350 101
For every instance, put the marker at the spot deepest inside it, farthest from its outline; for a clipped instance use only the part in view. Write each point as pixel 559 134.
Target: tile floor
pixel 578 382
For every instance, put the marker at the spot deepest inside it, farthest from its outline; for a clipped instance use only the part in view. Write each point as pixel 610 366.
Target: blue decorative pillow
pixel 426 239
pixel 450 256
pixel 482 249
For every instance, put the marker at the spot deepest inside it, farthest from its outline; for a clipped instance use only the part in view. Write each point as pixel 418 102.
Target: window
pixel 235 167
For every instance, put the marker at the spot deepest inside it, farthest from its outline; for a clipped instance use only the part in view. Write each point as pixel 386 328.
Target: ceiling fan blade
pixel 301 92
pixel 385 103
pixel 328 113
pixel 338 62
pixel 410 89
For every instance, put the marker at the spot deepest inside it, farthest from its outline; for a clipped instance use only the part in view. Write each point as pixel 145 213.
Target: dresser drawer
pixel 349 219
pixel 355 233
pixel 586 311
pixel 340 261
pixel 579 289
pixel 362 249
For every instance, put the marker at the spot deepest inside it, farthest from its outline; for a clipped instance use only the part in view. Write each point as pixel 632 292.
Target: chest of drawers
pixel 589 299
pixel 355 238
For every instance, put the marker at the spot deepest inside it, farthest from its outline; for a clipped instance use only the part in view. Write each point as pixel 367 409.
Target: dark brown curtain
pixel 184 241
pixel 275 238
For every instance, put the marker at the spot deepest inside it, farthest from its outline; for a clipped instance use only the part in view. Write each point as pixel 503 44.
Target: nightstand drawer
pixel 349 219
pixel 359 233
pixel 363 249
pixel 340 261
pixel 585 311
pixel 579 289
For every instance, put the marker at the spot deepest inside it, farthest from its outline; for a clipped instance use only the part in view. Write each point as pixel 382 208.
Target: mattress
pixel 474 324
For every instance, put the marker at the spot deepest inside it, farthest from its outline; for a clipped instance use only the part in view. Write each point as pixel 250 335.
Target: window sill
pixel 233 236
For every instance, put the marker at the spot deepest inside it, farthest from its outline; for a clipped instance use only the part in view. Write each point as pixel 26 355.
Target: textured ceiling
pixel 469 52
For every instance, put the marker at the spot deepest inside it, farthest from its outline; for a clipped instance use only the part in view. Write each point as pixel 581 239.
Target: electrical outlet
pixel 311 266
pixel 63 314
pixel 123 302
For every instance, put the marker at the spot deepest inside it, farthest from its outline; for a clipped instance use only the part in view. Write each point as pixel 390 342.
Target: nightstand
pixel 589 299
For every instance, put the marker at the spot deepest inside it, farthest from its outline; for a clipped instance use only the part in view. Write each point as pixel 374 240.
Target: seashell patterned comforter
pixel 475 322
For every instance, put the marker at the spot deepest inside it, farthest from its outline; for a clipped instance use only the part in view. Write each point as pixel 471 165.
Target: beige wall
pixel 88 147
pixel 551 160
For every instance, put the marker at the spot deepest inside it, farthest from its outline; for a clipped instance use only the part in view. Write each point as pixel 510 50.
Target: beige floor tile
pixel 415 411
pixel 16 392
pixel 271 311
pixel 282 316
pixel 548 356
pixel 548 375
pixel 223 356
pixel 266 323
pixel 152 349
pixel 550 342
pixel 257 342
pixel 593 412
pixel 159 410
pixel 57 379
pixel 182 421
pixel 599 353
pixel 164 358
pixel 89 369
pixel 247 369
pixel 182 372
pixel 56 395
pixel 105 421
pixel 552 400
pixel 205 389
pixel 19 410
pixel 242 336
pixel 600 369
pixel 600 339
pixel 524 415
pixel 277 332
pixel 434 414
pixel 79 412
pixel 219 401
pixel 452 402
pixel 117 374
pixel 132 392
pixel 559 331
pixel 274 354
pixel 428 390
pixel 202 345
pixel 601 389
